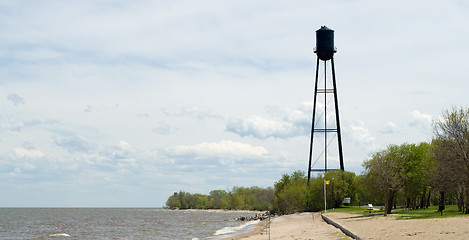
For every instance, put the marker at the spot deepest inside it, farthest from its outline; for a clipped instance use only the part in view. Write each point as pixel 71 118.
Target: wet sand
pixel 295 226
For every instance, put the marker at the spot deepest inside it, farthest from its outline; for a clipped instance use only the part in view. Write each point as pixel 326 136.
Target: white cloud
pixel 284 123
pixel 75 144
pixel 88 108
pixel 390 128
pixel 223 149
pixel 28 145
pixel 420 120
pixel 13 123
pixel 362 136
pixel 260 127
pixel 300 115
pixel 162 128
pixel 192 112
pixel 15 99
pixel 17 126
pixel 27 153
pixel 91 108
pixel 123 150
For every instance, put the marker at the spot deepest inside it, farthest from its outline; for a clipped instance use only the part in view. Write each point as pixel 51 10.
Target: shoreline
pixel 217 210
pixel 258 230
pixel 293 226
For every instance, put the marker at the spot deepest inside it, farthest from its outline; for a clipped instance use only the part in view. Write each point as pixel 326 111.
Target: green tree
pixel 264 198
pixel 365 192
pixel 405 169
pixel 291 193
pixel 243 198
pixel 451 153
pixel 341 186
pixel 254 198
pixel 219 199
pixel 198 201
pixel 418 167
pixel 384 174
pixel 173 201
pixel 315 194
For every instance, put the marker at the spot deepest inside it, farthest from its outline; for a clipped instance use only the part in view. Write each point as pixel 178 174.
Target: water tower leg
pixel 339 135
pixel 313 119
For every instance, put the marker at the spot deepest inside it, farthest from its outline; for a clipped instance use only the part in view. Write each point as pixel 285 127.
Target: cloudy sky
pixel 122 103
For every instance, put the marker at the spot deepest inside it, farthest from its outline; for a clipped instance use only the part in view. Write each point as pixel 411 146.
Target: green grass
pixel 351 209
pixel 431 212
pixel 356 210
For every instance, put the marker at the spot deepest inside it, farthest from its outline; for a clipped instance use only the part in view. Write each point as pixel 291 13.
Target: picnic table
pixel 370 207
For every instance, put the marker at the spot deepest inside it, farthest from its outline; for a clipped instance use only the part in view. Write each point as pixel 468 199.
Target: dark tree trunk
pixel 441 205
pixel 407 204
pixel 428 199
pixel 422 200
pixel 460 200
pixel 388 203
pixel 467 202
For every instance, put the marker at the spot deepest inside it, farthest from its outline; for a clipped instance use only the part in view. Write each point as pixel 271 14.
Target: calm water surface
pixel 108 223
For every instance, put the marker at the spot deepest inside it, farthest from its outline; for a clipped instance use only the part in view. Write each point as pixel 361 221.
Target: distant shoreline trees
pixel 290 194
pixel 240 198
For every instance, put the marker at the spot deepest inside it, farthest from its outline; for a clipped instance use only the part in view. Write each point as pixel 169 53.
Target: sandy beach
pixel 295 226
pixel 380 227
pixel 312 226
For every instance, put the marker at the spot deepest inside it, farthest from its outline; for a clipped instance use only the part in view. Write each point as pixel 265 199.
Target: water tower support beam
pixel 313 119
pixel 339 135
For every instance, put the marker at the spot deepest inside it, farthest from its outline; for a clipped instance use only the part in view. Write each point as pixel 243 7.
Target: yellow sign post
pixel 325 204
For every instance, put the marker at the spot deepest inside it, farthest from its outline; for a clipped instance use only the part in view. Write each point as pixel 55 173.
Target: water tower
pixel 325 123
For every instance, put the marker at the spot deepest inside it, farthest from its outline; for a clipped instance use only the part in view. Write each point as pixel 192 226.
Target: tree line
pixel 407 175
pixel 290 194
pixel 241 198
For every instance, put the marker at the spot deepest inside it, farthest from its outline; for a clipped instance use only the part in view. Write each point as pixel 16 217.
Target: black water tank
pixel 325 43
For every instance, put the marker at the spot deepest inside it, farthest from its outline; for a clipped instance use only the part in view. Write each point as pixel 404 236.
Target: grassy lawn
pixel 431 212
pixel 351 209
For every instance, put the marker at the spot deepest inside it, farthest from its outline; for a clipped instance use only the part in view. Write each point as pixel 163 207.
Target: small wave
pixel 228 230
pixel 59 235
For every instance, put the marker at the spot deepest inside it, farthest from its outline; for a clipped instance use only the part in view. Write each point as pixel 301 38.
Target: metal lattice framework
pixel 325 130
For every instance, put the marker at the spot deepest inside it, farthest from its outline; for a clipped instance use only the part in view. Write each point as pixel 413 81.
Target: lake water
pixel 119 223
